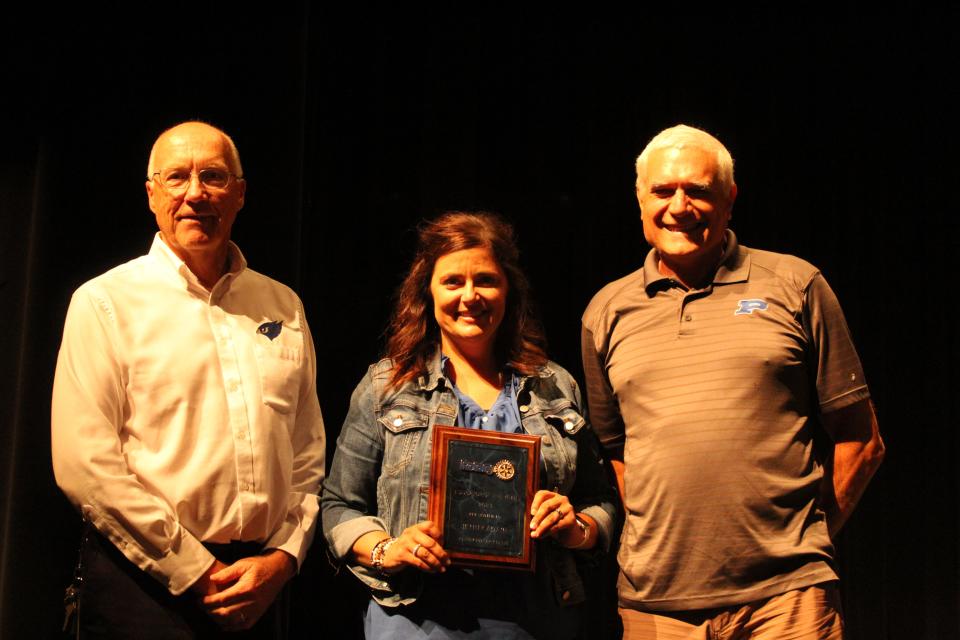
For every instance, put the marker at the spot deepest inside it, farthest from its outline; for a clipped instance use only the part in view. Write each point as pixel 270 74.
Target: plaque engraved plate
pixel 481 487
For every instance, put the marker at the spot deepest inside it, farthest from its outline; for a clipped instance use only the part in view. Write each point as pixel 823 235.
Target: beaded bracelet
pixel 379 550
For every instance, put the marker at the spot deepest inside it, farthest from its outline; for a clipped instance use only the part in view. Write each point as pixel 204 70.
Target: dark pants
pixel 118 600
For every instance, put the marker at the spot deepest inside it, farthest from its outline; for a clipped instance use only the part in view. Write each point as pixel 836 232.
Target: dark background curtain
pixel 354 125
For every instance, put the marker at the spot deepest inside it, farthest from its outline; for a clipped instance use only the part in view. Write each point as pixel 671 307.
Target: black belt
pixel 230 552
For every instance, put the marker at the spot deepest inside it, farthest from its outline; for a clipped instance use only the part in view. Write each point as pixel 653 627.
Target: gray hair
pixel 681 136
pixel 233 155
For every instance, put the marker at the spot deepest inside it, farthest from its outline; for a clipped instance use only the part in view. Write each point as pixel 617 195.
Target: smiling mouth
pixel 686 228
pixel 471 317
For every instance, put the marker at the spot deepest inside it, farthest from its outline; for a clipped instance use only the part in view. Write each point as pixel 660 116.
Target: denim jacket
pixel 380 477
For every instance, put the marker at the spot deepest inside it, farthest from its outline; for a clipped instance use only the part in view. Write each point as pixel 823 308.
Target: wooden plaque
pixel 482 484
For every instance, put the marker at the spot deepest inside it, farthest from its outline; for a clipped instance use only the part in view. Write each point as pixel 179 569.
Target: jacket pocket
pixel 279 376
pixel 566 420
pixel 405 426
pixel 566 423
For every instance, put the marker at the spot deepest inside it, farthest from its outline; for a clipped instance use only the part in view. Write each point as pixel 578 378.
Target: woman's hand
pixel 418 546
pixel 554 516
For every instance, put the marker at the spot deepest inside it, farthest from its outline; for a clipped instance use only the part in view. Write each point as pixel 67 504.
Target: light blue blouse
pixel 503 416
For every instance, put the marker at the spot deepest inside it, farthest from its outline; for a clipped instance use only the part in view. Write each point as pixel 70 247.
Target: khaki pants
pixel 812 613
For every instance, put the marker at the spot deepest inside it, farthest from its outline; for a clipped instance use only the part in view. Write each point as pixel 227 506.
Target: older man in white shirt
pixel 185 424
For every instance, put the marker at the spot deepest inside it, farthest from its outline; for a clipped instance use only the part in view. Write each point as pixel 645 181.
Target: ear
pixel 242 193
pixel 150 186
pixel 732 198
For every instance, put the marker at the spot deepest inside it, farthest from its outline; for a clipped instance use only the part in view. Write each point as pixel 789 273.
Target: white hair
pixel 681 136
pixel 233 155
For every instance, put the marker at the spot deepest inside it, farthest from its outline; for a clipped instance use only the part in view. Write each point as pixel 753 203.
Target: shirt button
pixel 524 408
pixel 242 435
pixel 688 318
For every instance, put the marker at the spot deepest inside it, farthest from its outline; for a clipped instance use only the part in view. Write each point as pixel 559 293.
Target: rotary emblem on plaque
pixel 504 470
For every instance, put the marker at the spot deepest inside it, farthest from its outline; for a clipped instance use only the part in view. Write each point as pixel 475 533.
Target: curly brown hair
pixel 413 335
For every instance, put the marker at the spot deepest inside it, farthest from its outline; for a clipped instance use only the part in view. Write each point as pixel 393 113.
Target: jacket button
pixel 565 596
pixel 398 422
pixel 524 408
pixel 568 426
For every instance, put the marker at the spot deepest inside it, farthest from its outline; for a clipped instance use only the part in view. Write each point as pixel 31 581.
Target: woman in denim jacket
pixel 464 349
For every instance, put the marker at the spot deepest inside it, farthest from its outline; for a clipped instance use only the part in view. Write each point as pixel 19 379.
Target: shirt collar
pixel 165 255
pixel 734 267
pixel 435 373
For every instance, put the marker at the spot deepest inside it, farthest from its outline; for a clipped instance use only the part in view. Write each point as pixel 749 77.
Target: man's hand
pixel 204 586
pixel 247 587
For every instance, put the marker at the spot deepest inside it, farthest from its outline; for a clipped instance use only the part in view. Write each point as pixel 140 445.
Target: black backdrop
pixel 353 125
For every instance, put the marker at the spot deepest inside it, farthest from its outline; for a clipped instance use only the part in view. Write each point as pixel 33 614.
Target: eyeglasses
pixel 175 180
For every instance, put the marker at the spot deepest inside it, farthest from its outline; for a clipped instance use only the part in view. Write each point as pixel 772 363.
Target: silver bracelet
pixel 585 530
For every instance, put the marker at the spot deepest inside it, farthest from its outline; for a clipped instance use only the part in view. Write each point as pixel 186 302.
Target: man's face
pixel 684 206
pixel 194 221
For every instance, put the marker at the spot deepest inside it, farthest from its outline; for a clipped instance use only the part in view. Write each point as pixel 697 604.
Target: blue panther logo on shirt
pixel 270 329
pixel 746 307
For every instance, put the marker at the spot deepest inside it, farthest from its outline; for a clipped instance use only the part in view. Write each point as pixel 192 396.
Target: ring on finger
pixel 416 551
pixel 559 513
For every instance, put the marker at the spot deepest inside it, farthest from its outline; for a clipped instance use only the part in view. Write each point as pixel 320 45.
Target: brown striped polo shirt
pixel 712 397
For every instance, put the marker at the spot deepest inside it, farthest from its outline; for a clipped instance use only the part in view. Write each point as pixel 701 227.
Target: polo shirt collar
pixel 734 267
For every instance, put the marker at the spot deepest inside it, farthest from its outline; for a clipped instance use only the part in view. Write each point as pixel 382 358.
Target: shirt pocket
pixel 279 368
pixel 405 427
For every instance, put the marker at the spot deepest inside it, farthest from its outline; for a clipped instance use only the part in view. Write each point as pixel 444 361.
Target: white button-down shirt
pixel 183 415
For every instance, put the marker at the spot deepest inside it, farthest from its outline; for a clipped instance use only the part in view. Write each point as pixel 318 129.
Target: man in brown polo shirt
pixel 709 371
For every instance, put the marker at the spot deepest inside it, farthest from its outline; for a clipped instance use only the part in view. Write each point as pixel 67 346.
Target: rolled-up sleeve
pixel 349 500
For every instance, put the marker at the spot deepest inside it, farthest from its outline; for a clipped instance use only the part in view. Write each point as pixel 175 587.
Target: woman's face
pixel 469 292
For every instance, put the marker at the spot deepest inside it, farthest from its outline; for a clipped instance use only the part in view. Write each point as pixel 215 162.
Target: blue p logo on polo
pixel 270 329
pixel 746 307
